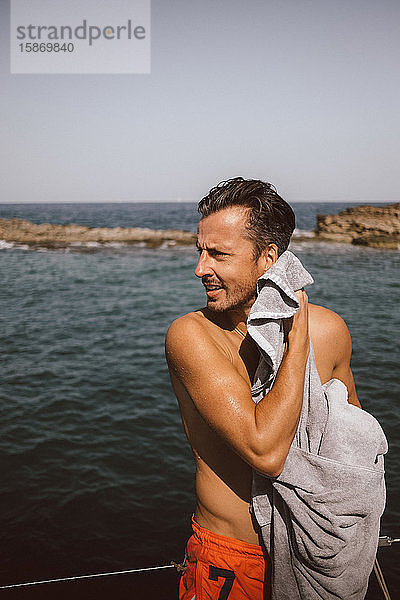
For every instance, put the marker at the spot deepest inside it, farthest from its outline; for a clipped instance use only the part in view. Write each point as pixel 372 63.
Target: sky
pixel 301 93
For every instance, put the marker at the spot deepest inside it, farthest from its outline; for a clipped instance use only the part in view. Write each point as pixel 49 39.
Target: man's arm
pixel 342 368
pixel 332 342
pixel 261 434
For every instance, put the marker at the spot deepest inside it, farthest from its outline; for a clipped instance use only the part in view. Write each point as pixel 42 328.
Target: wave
pixel 303 233
pixel 4 245
pixel 92 246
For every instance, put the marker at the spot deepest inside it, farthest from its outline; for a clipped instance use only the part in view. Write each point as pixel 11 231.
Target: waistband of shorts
pixel 222 542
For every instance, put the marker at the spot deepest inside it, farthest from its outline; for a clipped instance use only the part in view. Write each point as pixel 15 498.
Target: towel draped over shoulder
pixel 320 517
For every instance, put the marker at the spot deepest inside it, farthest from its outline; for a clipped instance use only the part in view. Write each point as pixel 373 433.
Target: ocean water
pixel 96 471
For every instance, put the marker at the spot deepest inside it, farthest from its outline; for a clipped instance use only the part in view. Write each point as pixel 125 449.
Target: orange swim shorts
pixel 222 568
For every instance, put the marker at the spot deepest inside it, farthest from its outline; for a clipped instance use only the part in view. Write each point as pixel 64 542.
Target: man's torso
pixel 223 479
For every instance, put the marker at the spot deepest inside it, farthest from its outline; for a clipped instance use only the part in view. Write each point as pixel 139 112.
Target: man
pixel 245 227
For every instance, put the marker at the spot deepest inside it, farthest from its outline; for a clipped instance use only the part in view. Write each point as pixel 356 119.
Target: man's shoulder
pixel 326 319
pixel 190 323
pixel 329 330
pixel 332 345
pixel 194 344
pixel 192 327
pixel 196 334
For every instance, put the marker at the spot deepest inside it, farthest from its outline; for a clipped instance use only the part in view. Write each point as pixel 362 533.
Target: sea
pixel 96 472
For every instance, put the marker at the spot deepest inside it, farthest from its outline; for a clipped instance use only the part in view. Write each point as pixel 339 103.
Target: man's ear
pixel 269 256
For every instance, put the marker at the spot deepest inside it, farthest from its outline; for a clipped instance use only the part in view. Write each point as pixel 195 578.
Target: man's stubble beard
pixel 246 298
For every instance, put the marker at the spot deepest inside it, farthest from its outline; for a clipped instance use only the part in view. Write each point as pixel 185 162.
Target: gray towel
pixel 320 518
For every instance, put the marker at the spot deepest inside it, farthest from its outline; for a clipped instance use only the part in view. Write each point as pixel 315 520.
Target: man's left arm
pixel 332 342
pixel 342 369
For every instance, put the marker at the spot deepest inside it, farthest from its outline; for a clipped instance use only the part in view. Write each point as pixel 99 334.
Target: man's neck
pixel 238 317
pixel 231 319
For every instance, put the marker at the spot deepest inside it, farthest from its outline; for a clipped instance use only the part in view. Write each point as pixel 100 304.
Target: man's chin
pixel 213 306
pixel 219 307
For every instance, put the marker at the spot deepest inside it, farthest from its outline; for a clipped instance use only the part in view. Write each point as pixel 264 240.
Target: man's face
pixel 226 264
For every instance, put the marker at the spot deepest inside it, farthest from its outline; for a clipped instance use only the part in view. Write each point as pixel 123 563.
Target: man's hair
pixel 271 220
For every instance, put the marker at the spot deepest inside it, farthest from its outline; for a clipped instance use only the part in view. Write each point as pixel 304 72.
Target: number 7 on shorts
pixel 215 572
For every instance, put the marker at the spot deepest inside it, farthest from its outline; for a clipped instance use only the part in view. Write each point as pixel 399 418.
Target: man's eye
pixel 213 253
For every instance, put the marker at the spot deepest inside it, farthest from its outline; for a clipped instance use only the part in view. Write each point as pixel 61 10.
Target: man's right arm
pixel 260 433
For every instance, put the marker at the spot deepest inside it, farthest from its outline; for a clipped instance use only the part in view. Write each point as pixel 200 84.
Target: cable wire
pixel 74 578
pixel 381 580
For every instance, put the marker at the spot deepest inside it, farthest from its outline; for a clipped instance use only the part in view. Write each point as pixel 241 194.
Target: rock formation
pixel 59 236
pixel 376 226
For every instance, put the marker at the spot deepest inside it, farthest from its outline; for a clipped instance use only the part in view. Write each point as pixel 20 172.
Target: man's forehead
pixel 217 244
pixel 226 226
pixel 218 238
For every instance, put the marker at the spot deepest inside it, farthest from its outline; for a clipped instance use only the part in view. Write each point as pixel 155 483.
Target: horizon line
pixel 188 202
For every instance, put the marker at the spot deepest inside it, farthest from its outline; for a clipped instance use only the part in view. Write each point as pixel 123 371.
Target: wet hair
pixel 270 220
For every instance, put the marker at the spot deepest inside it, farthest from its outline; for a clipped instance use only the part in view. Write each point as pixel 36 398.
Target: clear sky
pixel 302 93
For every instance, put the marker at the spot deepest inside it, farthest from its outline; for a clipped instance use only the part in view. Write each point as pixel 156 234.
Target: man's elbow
pixel 268 464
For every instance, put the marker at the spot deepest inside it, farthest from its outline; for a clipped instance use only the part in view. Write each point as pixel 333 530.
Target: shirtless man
pixel 245 227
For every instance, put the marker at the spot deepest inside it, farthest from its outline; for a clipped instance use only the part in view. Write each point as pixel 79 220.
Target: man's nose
pixel 203 266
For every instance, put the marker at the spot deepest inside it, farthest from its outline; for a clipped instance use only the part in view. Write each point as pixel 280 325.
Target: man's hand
pixel 298 334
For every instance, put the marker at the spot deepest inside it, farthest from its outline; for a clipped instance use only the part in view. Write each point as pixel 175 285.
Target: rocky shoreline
pixel 60 236
pixel 374 226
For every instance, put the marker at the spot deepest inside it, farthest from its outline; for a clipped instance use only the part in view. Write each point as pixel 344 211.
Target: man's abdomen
pixel 223 500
